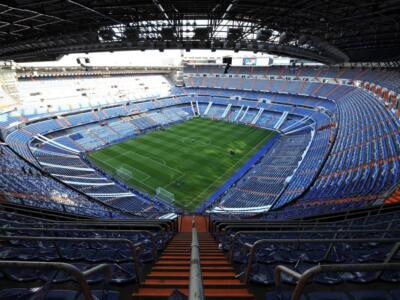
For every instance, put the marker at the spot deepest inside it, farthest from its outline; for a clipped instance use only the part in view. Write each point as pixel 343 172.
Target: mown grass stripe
pixel 191 159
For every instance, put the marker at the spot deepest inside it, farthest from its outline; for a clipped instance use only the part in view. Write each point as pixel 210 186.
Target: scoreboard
pixel 249 61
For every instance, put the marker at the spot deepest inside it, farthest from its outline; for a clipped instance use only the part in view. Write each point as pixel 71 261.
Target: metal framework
pixel 136 249
pixel 306 276
pixel 80 277
pixel 331 242
pixel 196 289
pixel 326 31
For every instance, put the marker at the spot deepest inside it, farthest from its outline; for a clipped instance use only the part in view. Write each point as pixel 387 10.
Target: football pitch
pixel 189 160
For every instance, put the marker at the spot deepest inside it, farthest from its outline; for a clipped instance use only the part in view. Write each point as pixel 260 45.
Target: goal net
pixel 124 173
pixel 163 194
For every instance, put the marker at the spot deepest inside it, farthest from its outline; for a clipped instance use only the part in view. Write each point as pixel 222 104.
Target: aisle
pixel 172 270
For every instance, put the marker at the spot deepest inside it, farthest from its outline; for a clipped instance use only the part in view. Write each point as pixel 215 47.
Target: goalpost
pixel 165 195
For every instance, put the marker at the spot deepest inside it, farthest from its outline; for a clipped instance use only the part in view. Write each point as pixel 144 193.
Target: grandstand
pixel 271 172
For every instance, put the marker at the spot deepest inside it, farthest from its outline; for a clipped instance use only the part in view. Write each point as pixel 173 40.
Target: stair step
pixel 188 251
pixel 187 268
pixel 154 293
pixel 181 262
pixel 189 247
pixel 189 243
pixel 228 293
pixel 216 251
pixel 186 274
pixel 172 263
pixel 189 238
pixel 202 254
pixel 207 257
pixel 172 270
pixel 229 283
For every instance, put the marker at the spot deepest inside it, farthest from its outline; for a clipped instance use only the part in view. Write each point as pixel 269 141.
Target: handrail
pixel 154 250
pixel 71 269
pixel 167 226
pixel 126 222
pixel 268 225
pixel 92 225
pixel 310 273
pixel 136 249
pixel 164 233
pixel 331 242
pixel 215 223
pixel 233 237
pixel 196 282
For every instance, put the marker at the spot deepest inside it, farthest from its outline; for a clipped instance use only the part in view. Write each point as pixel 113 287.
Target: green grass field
pixel 190 160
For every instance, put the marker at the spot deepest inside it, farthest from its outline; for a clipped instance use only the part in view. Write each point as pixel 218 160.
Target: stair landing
pixel 185 223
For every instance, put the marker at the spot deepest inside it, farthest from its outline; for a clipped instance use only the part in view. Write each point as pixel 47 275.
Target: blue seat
pixel 95 255
pixel 21 275
pixel 27 294
pixel 49 254
pixel 362 277
pixel 327 296
pixel 395 294
pixel 7 253
pixel 391 276
pixel 71 254
pixel 263 274
pixel 58 276
pixel 123 273
pixel 125 255
pixel 371 295
pixel 281 295
pixel 104 295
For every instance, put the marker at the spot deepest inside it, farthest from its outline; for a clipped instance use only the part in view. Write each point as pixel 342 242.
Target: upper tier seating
pixel 366 164
pixel 385 77
pixel 21 183
pixel 364 159
pixel 46 96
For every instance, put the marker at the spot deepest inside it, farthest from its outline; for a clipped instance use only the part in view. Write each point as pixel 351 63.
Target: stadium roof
pixel 326 31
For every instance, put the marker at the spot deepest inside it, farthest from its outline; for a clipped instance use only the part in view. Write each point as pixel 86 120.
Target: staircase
pixel 394 198
pixel 9 86
pixel 172 270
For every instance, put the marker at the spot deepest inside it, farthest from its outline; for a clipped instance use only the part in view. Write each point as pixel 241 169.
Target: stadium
pixel 173 149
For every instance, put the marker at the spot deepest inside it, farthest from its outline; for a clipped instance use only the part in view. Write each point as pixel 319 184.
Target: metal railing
pixel 394 242
pixel 64 231
pixel 135 249
pixel 80 276
pixel 357 215
pixel 223 227
pixel 328 234
pixel 302 279
pixel 196 281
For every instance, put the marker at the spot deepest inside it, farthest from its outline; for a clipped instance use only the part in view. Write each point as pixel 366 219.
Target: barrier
pixel 196 289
